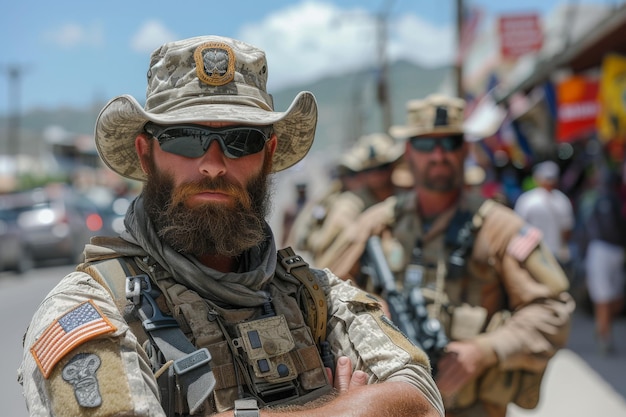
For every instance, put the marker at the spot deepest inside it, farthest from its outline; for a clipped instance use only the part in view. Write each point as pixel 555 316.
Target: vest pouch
pixel 267 343
pixel 518 386
pixel 462 399
pixel 467 322
pixel 500 386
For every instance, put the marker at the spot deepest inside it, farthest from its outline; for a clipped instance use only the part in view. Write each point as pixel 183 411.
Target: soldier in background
pixel 292 210
pixel 487 276
pixel 365 175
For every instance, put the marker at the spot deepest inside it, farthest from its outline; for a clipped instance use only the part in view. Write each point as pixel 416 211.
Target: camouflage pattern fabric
pixel 204 79
pixel 127 386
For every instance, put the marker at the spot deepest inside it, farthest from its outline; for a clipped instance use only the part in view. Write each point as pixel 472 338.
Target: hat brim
pixel 405 132
pixel 123 118
pixel 354 164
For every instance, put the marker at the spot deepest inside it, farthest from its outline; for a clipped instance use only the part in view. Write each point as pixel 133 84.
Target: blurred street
pixel 579 381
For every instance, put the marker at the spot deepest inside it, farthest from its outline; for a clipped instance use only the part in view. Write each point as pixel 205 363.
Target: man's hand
pixel 345 378
pixel 463 362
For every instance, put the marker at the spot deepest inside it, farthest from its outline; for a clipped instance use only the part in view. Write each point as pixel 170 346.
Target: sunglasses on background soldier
pixel 428 144
pixel 192 141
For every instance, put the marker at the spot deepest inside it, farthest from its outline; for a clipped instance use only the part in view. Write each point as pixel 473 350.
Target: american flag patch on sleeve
pixel 524 243
pixel 81 323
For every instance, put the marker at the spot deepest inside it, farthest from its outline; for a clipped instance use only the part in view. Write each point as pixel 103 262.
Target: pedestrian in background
pixel 549 210
pixel 293 209
pixel 605 233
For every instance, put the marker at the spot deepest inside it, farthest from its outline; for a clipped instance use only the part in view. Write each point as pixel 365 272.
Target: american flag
pixel 524 243
pixel 83 322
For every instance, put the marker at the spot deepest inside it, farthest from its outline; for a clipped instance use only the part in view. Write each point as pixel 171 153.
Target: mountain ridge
pixel 347 108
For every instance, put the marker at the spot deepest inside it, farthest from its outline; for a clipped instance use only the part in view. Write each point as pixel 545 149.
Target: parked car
pixel 14 253
pixel 112 208
pixel 57 222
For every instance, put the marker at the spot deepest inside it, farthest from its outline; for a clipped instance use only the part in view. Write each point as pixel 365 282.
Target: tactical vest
pixel 438 260
pixel 273 354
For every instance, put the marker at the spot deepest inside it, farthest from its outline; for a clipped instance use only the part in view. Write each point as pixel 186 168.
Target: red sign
pixel 519 34
pixel 577 108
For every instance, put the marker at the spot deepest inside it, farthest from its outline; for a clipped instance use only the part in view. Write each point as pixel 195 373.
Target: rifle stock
pixel 407 308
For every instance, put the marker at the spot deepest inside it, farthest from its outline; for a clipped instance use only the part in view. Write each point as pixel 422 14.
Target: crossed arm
pixel 356 398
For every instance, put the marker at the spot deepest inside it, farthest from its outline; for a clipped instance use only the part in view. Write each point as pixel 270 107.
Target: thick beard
pixel 209 229
pixel 441 184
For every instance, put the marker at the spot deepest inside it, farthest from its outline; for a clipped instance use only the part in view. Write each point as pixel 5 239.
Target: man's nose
pixel 213 162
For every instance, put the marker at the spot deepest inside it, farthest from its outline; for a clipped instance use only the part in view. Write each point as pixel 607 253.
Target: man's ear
pixel 272 144
pixel 143 149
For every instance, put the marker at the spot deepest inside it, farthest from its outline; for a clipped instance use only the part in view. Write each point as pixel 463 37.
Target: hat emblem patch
pixel 215 63
pixel 441 116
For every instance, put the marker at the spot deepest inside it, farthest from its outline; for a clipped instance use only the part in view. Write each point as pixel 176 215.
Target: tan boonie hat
pixel 372 151
pixel 435 115
pixel 204 79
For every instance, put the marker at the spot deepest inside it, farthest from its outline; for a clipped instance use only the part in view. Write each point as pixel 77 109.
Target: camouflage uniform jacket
pixel 108 372
pixel 321 222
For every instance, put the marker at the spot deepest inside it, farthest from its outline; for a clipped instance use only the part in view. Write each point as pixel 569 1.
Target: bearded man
pixel 192 310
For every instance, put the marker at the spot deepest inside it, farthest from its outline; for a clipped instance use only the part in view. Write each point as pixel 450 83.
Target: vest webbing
pixel 317 313
pixel 112 273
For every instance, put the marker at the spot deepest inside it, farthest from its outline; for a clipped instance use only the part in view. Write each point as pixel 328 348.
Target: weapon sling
pixel 184 363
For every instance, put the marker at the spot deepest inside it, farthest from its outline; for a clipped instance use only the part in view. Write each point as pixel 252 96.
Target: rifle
pixel 407 308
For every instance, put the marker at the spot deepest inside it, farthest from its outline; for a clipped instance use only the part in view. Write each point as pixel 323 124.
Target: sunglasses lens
pixel 243 141
pixel 451 143
pixel 428 144
pixel 193 141
pixel 423 144
pixel 182 141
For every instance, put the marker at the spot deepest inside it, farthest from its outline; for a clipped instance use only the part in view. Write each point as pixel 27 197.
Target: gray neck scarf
pixel 237 289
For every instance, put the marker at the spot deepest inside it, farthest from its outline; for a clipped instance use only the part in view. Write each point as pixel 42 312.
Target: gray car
pixel 14 253
pixel 56 222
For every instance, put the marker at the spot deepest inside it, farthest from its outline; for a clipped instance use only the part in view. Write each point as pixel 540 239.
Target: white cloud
pixel 421 42
pixel 72 35
pixel 150 36
pixel 312 40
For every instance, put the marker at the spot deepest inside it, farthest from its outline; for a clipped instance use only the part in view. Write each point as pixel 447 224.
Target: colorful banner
pixel 612 98
pixel 577 108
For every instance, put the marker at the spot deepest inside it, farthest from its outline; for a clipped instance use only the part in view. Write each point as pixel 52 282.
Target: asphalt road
pixel 579 382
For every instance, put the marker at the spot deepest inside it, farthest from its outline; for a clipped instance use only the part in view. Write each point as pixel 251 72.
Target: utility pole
pixel 459 61
pixel 383 76
pixel 14 73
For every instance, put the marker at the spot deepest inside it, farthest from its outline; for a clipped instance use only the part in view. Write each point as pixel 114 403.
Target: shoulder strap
pixel 189 366
pixel 111 275
pixel 317 314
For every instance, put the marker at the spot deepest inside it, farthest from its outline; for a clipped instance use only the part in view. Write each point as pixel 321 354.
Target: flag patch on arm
pixel 527 239
pixel 82 323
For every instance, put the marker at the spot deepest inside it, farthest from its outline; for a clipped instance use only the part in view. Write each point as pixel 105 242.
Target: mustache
pixel 218 184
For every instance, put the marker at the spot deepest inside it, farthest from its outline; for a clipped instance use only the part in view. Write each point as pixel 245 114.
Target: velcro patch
pixel 82 323
pixel 527 239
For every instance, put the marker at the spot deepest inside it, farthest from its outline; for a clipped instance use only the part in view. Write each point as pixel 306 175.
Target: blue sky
pixel 72 52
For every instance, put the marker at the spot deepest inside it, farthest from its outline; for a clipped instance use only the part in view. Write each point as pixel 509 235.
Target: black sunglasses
pixel 192 141
pixel 428 144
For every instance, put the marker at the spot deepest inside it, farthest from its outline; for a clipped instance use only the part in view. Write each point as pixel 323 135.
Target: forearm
pixel 388 399
pixel 533 334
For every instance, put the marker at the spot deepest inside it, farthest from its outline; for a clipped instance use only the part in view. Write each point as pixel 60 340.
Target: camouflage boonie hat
pixel 436 115
pixel 372 151
pixel 204 79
